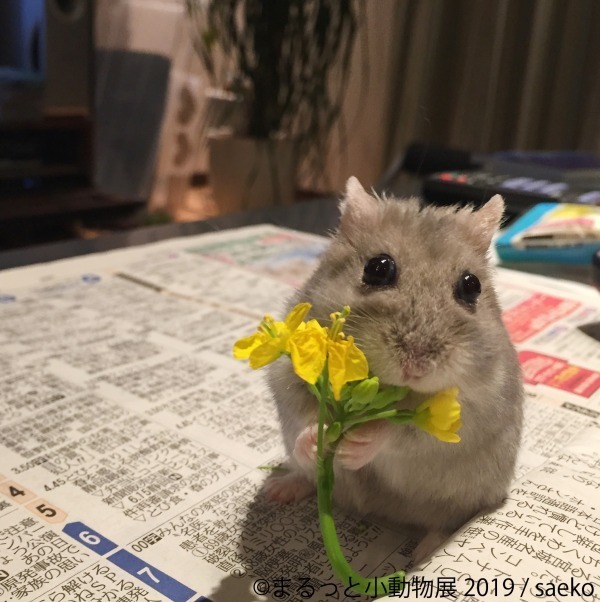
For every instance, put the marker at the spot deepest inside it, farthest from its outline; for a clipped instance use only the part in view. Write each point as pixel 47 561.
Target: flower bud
pixel 363 394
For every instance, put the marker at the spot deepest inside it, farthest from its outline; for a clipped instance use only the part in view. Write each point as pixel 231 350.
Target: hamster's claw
pixel 290 487
pixel 361 444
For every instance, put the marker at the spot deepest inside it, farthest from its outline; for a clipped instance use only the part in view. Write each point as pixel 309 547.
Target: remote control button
pixel 589 198
pixel 535 185
pixel 555 189
pixel 446 176
pixel 516 183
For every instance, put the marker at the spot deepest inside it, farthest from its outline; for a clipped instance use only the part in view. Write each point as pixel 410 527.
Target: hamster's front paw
pixel 305 449
pixel 361 444
pixel 290 487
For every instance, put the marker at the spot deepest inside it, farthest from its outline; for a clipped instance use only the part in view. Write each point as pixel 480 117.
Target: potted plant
pixel 284 65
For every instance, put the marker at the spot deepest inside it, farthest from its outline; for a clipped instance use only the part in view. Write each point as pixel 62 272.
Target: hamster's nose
pixel 416 356
pixel 416 367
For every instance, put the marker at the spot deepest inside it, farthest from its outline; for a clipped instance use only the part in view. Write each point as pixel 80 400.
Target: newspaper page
pixel 134 447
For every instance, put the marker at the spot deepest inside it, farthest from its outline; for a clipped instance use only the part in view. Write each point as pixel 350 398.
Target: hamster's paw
pixel 361 444
pixel 427 546
pixel 290 487
pixel 305 449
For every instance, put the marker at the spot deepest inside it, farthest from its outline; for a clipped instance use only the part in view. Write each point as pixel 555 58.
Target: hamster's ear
pixel 486 222
pixel 356 207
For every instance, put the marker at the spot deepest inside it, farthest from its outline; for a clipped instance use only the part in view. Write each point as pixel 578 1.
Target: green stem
pixel 398 415
pixel 349 577
pixel 315 391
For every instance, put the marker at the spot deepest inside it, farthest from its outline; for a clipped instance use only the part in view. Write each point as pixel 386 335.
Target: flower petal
pixel 295 317
pixel 265 354
pixel 244 347
pixel 308 349
pixel 445 436
pixel 346 363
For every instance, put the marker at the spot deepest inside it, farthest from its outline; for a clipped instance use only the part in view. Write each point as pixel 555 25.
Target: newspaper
pixel 133 446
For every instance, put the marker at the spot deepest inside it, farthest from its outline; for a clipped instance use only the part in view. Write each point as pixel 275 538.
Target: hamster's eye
pixel 468 288
pixel 380 271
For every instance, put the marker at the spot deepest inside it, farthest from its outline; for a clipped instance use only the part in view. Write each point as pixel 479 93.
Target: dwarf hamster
pixel 424 311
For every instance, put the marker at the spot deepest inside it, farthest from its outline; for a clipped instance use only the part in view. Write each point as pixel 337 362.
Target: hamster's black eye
pixel 468 288
pixel 379 271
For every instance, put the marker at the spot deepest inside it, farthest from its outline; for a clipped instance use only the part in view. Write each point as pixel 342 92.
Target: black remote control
pixel 519 192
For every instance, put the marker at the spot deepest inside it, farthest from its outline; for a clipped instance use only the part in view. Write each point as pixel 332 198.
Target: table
pixel 316 216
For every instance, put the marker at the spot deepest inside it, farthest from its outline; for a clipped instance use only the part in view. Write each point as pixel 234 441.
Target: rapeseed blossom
pixel 310 346
pixel 440 416
pixel 272 338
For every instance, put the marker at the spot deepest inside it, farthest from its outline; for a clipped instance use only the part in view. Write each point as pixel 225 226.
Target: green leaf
pixel 273 468
pixel 388 396
pixel 333 432
pixel 363 394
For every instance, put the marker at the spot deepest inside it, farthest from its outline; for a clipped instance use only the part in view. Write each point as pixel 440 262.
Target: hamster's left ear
pixel 486 222
pixel 357 207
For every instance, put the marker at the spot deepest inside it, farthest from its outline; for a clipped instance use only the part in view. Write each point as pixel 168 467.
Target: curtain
pixel 479 75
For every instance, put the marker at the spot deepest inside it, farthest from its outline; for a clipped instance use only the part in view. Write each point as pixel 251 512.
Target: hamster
pixel 424 311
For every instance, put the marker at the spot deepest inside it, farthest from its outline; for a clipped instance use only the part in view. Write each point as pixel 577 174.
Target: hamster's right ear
pixel 357 207
pixel 486 222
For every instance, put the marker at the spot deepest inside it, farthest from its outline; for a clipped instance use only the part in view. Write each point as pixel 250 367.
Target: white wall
pixel 161 27
pixel 142 25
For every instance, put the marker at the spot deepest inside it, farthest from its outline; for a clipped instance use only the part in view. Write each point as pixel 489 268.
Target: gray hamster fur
pixel 415 331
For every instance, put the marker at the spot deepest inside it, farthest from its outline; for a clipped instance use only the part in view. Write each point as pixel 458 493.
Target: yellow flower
pixel 272 338
pixel 309 344
pixel 440 416
pixel 312 345
pixel 308 349
pixel 346 363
